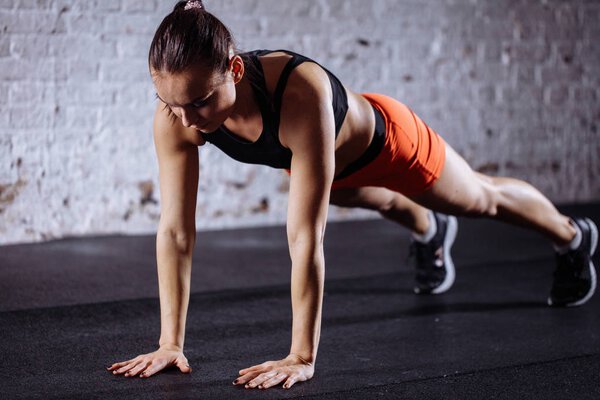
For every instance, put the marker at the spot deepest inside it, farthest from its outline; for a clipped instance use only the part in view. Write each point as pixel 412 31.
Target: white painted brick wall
pixel 513 85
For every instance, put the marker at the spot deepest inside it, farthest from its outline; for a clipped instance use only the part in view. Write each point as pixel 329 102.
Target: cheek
pixel 224 103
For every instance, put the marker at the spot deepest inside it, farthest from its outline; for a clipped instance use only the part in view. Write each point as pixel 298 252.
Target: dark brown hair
pixel 190 35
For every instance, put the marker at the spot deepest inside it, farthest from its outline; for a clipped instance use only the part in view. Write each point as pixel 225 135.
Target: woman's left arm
pixel 308 123
pixel 313 166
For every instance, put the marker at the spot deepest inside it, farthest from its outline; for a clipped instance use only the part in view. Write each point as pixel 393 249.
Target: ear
pixel 236 66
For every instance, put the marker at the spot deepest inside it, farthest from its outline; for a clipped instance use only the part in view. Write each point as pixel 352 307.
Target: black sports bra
pixel 267 150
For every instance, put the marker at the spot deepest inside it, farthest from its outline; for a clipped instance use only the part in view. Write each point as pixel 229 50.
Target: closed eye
pixel 170 112
pixel 200 103
pixel 196 103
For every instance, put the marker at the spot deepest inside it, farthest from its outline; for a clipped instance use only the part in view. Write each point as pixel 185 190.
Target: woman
pixel 284 110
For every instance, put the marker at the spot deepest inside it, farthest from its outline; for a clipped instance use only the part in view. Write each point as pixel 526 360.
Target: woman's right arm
pixel 176 235
pixel 177 151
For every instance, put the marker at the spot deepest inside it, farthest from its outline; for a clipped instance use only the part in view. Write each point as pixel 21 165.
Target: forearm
pixel 308 274
pixel 174 265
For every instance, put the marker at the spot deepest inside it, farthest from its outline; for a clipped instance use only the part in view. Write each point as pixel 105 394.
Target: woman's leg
pixel 462 191
pixel 389 204
pixel 432 238
pixel 414 153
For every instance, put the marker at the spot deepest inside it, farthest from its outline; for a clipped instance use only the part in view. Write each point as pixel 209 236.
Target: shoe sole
pixel 590 293
pixel 448 242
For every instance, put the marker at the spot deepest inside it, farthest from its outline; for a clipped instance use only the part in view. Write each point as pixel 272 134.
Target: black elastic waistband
pixel 372 151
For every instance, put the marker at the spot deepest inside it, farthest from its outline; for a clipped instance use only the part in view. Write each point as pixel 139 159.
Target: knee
pixel 385 207
pixel 484 203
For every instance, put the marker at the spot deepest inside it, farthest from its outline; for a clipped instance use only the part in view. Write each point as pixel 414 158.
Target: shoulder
pixel 307 92
pixel 306 108
pixel 308 82
pixel 306 79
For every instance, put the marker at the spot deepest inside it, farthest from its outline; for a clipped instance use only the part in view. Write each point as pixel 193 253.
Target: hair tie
pixel 193 4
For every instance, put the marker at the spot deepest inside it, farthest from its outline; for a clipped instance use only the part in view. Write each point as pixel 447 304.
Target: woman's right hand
pixel 149 364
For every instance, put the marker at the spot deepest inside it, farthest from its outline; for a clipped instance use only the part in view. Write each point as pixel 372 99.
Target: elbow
pixel 306 243
pixel 182 240
pixel 308 239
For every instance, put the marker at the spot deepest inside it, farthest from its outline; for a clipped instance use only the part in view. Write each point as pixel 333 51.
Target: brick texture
pixel 513 85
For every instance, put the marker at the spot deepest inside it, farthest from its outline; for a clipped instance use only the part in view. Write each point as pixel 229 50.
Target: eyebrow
pixel 197 100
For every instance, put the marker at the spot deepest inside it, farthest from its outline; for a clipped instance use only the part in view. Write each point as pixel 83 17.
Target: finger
pixel 276 380
pixel 136 370
pixel 126 367
pixel 246 378
pixel 152 368
pixel 120 364
pixel 264 366
pixel 290 382
pixel 251 369
pixel 184 366
pixel 115 365
pixel 261 378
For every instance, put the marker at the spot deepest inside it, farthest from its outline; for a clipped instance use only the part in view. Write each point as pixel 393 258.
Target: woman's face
pixel 202 98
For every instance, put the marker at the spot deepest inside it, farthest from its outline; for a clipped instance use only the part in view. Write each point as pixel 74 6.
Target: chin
pixel 212 126
pixel 207 129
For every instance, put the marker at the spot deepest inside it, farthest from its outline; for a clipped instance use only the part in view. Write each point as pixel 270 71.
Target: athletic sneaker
pixel 575 275
pixel 433 262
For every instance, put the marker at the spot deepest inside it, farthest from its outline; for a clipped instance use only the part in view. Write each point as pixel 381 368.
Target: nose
pixel 188 118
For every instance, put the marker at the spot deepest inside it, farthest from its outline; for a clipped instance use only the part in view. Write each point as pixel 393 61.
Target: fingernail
pixel 235 382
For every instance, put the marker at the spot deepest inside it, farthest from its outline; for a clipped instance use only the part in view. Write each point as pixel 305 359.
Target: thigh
pixel 459 190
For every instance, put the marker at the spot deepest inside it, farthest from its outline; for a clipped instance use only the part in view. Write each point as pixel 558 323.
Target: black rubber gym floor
pixel 70 308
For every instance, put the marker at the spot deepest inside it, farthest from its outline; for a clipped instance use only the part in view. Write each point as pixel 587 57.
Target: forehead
pixel 186 86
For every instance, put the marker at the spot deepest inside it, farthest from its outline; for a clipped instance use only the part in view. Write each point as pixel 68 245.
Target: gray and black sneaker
pixel 575 275
pixel 432 260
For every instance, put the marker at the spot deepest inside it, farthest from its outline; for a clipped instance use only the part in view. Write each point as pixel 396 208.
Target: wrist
pixel 170 346
pixel 303 358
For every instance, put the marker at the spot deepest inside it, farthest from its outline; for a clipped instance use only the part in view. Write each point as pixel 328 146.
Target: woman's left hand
pixel 290 370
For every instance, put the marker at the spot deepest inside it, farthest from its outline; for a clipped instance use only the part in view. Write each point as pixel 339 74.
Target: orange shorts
pixel 412 157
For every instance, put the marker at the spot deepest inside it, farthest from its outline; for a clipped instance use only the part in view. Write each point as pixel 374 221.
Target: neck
pixel 244 106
